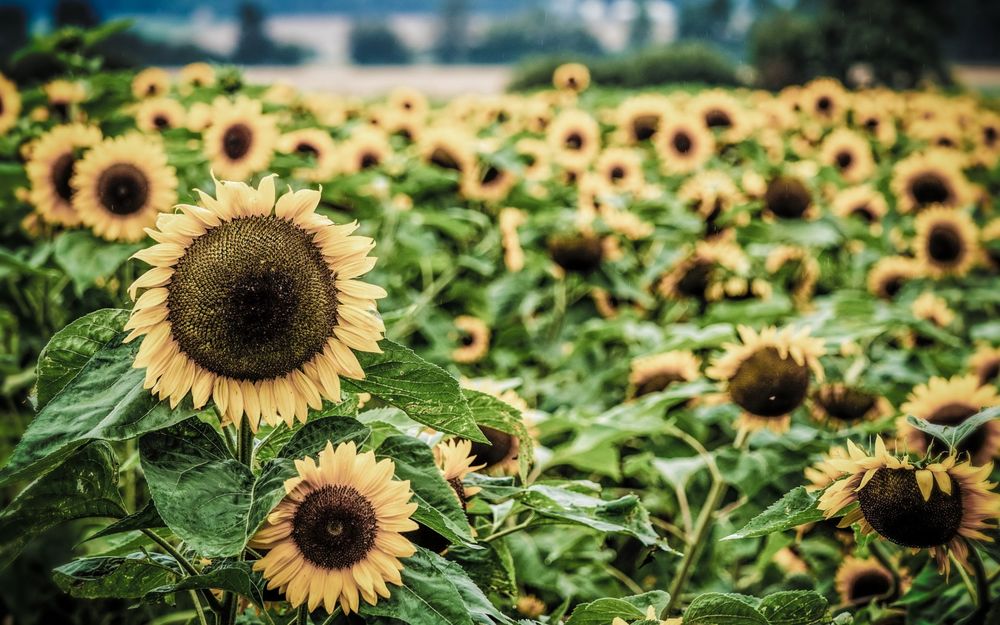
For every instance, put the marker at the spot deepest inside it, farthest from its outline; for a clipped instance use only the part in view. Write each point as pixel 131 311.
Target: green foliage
pixel 786 49
pixel 532 35
pixel 377 44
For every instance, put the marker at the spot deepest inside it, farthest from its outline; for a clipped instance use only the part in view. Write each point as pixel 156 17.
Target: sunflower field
pixel 581 355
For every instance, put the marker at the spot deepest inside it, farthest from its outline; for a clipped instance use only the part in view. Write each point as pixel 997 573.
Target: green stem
pixel 982 596
pixel 245 448
pixel 181 560
pixel 197 607
pixel 508 530
pixel 333 615
pixel 302 616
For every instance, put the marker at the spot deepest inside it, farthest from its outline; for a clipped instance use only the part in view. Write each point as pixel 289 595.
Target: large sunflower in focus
pixel 255 304
pixel 933 506
pixel 768 374
pixel 50 170
pixel 946 241
pixel 121 185
pixel 240 140
pixel 923 180
pixel 10 104
pixel 950 402
pixel 337 536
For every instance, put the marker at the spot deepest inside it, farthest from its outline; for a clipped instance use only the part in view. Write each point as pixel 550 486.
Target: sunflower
pixel 475 339
pixel 50 170
pixel 822 473
pixel 863 581
pixel 849 153
pixel 447 147
pixel 934 506
pixel 121 185
pixel 63 96
pixel 722 113
pixel 487 182
pixel 987 139
pixel 864 203
pixel 409 102
pixel 455 460
pixel 10 104
pixel 337 536
pixel 576 252
pixel 768 374
pixel 946 241
pixel 940 133
pixel 787 197
pixel 535 156
pixel 711 194
pixel 159 114
pixel 574 138
pixel 872 117
pixel 240 140
pixel 683 145
pixel 620 169
pixel 825 100
pixel 365 149
pixel 888 275
pixel 654 373
pixel 842 405
pixel 990 238
pixel 930 307
pixel 197 75
pixel 804 274
pixel 640 117
pixel 571 77
pixel 255 304
pixel 985 364
pixel 151 82
pixel 502 454
pixel 931 178
pixel 317 146
pixel 696 273
pixel 530 606
pixel 950 402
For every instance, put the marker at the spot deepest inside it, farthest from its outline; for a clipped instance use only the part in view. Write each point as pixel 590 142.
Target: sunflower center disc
pixel 768 385
pixel 161 122
pixel 787 197
pixel 869 585
pixel 335 527
pixel 617 173
pixel 944 244
pixel 368 159
pixel 682 143
pixel 444 159
pixel 306 149
pixel 236 141
pixel 846 404
pixel 252 299
pixel 695 280
pixel 576 253
pixel 892 504
pixel 123 189
pixel 929 189
pixel 491 175
pixel 645 127
pixel 502 446
pixel 824 103
pixel 656 383
pixel 844 160
pixel 62 171
pixel 574 141
pixel 718 119
pixel 864 212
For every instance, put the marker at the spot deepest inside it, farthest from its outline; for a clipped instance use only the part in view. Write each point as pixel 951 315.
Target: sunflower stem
pixel 302 615
pixel 333 616
pixel 200 611
pixel 982 595
pixel 245 444
pixel 183 562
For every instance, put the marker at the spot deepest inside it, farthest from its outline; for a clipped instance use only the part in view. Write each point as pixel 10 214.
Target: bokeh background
pixel 445 47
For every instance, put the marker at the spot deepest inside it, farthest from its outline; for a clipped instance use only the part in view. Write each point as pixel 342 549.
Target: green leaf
pixel 71 348
pixel 797 507
pixel 715 608
pixel 85 485
pixel 491 568
pixel 232 575
pixel 128 577
pixel 147 518
pixel 85 258
pixel 201 492
pixel 603 611
pixel 492 412
pixel 422 390
pixel 953 435
pixel 437 505
pixel 105 401
pixel 794 607
pixel 624 515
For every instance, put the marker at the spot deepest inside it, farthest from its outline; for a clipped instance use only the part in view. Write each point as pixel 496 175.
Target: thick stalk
pixel 302 617
pixel 244 453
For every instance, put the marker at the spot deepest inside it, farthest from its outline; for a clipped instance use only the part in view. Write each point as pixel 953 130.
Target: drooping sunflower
pixel 825 100
pixel 888 275
pixel 683 145
pixel 151 82
pixel 240 140
pixel 842 405
pixel 950 402
pixel 365 149
pixel 255 304
pixel 50 170
pixel 654 373
pixel 849 153
pixel 788 197
pixel 159 114
pixel 864 203
pixel 863 581
pixel 317 146
pixel 10 104
pixel 121 185
pixel 722 113
pixel 197 75
pixel 574 137
pixel 63 97
pixel 946 241
pixel 640 117
pixel 768 374
pixel 474 339
pixel 925 179
pixel 455 460
pixel 337 536
pixel 934 506
pixel 571 77
pixel 985 364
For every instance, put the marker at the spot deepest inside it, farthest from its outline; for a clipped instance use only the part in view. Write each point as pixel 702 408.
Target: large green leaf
pixel 796 508
pixel 105 401
pixel 421 389
pixel 85 485
pixel 146 518
pixel 715 608
pixel 437 505
pixel 71 348
pixel 128 577
pixel 202 493
pixel 794 607
pixel 85 258
pixel 492 412
pixel 232 575
pixel 603 611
